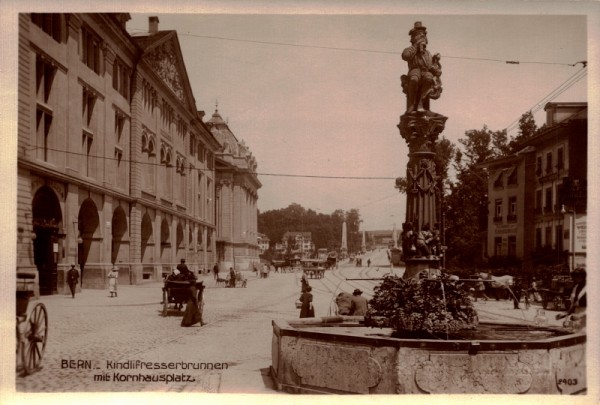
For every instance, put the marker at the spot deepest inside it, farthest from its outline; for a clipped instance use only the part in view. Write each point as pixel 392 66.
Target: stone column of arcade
pixel 420 128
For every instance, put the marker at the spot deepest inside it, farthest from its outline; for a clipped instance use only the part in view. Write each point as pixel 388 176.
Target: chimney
pixel 153 25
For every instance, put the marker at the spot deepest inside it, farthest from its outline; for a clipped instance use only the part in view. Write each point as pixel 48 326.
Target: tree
pixel 527 129
pixel 466 207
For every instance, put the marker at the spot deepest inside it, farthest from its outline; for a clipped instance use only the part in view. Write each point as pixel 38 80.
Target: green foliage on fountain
pixel 421 307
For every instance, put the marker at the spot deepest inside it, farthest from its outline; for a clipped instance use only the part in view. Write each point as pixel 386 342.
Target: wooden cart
pixel 177 293
pixel 32 327
pixel 558 296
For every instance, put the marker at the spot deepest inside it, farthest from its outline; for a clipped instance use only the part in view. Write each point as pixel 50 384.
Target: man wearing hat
pixel 359 304
pixel 422 70
pixel 72 279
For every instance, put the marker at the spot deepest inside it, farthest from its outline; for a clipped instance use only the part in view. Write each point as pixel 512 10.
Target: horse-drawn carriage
pixel 313 268
pixel 32 327
pixel 176 293
pixel 557 295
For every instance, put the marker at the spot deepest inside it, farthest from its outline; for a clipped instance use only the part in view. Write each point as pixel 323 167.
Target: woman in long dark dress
pixel 193 311
pixel 307 310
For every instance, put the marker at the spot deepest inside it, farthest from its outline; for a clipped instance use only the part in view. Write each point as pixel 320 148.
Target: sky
pixel 319 95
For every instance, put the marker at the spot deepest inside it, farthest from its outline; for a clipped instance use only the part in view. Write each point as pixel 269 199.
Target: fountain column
pixel 420 128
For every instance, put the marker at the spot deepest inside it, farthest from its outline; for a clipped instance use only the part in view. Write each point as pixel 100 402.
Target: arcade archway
pixel 47 220
pixel 119 228
pixel 88 224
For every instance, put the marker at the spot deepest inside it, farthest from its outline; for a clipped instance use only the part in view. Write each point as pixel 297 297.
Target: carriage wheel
pixel 34 339
pixel 165 303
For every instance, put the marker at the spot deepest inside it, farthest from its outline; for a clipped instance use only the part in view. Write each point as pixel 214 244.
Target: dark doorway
pixel 47 218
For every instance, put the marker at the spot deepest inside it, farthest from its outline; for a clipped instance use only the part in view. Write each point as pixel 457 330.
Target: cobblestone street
pixel 102 331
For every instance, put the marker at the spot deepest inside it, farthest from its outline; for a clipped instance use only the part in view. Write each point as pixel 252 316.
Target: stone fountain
pixel 341 355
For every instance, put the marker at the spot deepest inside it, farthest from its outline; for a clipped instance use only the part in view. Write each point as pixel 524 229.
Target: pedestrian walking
pixel 359 304
pixel 231 277
pixel 304 283
pixel 113 280
pixel 369 262
pixel 307 310
pixel 216 270
pixel 72 279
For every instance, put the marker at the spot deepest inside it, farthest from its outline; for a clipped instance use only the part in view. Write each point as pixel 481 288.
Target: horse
pixel 498 285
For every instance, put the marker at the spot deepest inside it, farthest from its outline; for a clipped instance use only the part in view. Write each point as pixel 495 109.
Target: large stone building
pixel 115 163
pixel 538 197
pixel 236 199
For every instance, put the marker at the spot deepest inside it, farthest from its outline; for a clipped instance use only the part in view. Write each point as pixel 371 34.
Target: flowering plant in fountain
pixel 425 306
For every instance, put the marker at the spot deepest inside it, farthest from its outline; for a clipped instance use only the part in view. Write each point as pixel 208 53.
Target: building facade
pixel 301 243
pixel 264 243
pixel 115 164
pixel 538 196
pixel 236 199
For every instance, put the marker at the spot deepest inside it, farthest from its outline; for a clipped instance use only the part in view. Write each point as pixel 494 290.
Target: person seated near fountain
pixel 360 305
pixel 576 311
pixel 344 303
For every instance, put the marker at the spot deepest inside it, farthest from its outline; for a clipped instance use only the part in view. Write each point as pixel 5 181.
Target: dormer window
pixel 499 182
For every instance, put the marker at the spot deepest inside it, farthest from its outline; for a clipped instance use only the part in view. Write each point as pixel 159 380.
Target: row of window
pixel 548 240
pixel 548 167
pixel 196 148
pixel 499 210
pixel 547 204
pixel 511 246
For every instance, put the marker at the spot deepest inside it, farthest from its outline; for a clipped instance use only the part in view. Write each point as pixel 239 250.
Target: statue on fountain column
pixel 422 82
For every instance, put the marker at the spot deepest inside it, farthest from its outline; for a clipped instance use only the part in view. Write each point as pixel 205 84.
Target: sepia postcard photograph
pixel 204 200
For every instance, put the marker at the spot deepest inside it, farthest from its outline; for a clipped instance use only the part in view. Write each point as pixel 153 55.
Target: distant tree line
pixel 325 229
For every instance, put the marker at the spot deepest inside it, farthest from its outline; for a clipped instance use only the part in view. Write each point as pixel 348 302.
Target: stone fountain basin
pixel 340 355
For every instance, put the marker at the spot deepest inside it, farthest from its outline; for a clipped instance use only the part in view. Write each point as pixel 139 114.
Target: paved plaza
pixel 102 344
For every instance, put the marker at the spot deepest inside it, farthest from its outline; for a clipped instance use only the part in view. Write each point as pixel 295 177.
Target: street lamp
pixel 571 233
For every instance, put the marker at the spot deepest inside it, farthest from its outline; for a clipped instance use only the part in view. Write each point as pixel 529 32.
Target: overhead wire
pixel 335 48
pixel 200 169
pixel 577 76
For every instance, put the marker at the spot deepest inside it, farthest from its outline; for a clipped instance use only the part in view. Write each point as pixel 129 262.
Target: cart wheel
pixel 165 304
pixel 34 339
